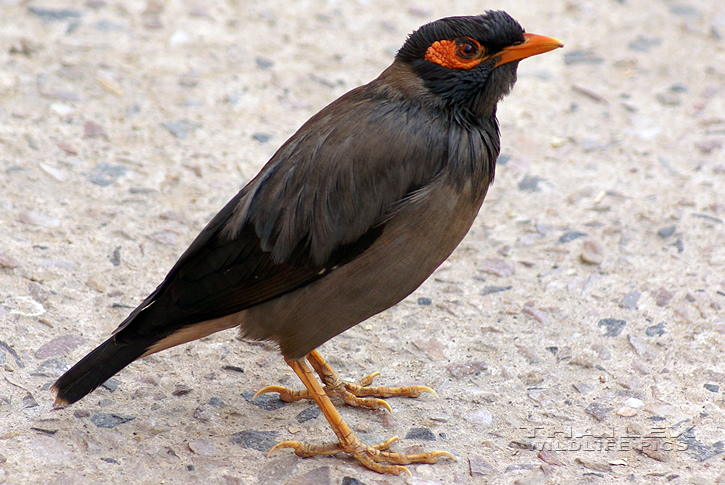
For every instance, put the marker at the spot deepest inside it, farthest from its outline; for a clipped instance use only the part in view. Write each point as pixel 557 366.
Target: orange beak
pixel 533 44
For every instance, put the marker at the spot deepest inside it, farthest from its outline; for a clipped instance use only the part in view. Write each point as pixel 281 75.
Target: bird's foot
pixel 375 457
pixel 354 394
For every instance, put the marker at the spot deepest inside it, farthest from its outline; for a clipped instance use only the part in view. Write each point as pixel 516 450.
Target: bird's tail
pixel 94 369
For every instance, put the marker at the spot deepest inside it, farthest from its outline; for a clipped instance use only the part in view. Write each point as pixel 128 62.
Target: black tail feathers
pixel 95 368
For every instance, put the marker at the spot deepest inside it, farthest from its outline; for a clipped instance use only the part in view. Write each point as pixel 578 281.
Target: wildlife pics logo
pixel 658 439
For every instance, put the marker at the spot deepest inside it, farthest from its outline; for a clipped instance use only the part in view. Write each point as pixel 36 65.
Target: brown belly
pixel 419 237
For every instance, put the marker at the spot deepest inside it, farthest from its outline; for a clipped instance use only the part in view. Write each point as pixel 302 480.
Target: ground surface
pixel 584 313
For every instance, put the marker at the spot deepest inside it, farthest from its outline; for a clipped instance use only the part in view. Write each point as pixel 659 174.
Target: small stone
pixel 432 347
pixel 663 297
pixel 570 236
pixel 351 481
pixel 612 326
pixel 584 387
pixel 598 411
pixel 668 98
pixel 94 282
pixel 563 354
pixel 503 159
pixel 479 466
pixel 202 447
pixel 639 366
pixel 550 457
pixel 626 412
pixel 593 465
pixel 181 390
pixel 7 348
pixel 307 414
pixel 29 401
pixel 92 129
pixel 712 387
pixel 480 416
pixel 7 261
pixel 640 348
pixel 262 137
pixel 494 289
pixel 106 174
pixel 494 266
pixel 232 480
pixel 167 238
pixel 59 346
pixel 317 476
pixel 48 449
pixel 81 413
pixel 708 145
pixel 582 56
pixel 38 292
pixel 57 263
pixel 263 62
pixel 538 315
pixel 57 174
pixel 179 38
pixel 423 301
pixel 530 183
pixel 592 252
pixel 656 330
pixel 216 402
pixel 256 440
pixel 111 384
pixel 181 128
pixel 604 353
pixel 202 414
pixel 644 44
pixel 233 368
pixel 116 256
pixel 531 356
pixel 422 434
pixel 666 232
pixel 147 379
pixel 655 448
pixel 106 420
pixel 52 368
pixel 54 14
pixel 633 402
pixel 61 109
pixel 37 219
pixel 661 410
pixel 684 10
pixel 268 402
pixel 464 369
pixel 682 315
pixel 699 450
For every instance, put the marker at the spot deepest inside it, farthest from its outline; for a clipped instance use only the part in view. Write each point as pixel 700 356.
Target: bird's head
pixel 470 62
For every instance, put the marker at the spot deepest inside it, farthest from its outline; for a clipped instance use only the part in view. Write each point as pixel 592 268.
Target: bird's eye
pixel 466 50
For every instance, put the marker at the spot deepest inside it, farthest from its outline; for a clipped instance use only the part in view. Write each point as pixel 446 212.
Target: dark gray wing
pixel 321 200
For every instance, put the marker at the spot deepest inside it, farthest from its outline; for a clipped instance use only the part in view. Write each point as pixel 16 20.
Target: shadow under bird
pixel 349 217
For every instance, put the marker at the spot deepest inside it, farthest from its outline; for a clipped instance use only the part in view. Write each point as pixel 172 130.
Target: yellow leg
pixel 353 394
pixel 375 458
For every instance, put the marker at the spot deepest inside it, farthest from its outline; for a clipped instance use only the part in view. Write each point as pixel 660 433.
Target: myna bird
pixel 349 217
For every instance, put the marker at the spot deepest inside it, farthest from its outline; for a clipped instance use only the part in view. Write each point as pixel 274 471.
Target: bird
pixel 349 216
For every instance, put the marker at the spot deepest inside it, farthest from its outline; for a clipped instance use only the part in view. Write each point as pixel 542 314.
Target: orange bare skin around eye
pixel 445 53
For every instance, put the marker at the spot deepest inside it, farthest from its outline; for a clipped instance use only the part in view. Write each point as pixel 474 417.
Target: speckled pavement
pixel 576 335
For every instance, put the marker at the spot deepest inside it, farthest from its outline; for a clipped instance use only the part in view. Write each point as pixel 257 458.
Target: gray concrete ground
pixel 575 336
